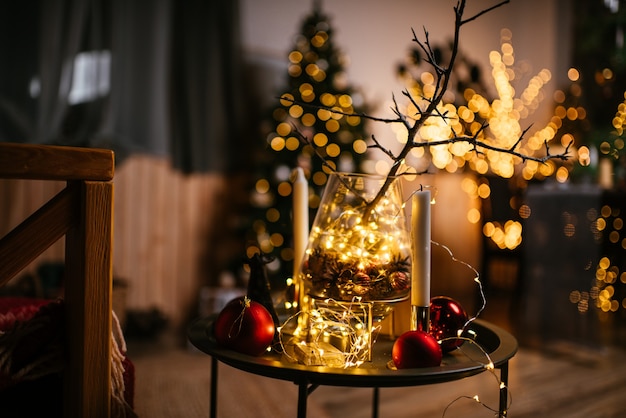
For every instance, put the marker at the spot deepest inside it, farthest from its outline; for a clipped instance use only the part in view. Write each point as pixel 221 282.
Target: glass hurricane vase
pixel 359 245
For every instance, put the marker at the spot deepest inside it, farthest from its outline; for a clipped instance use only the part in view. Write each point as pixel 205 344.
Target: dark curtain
pixel 208 103
pixel 176 77
pixel 137 119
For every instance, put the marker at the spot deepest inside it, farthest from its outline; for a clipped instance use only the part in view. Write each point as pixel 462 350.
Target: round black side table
pixel 496 342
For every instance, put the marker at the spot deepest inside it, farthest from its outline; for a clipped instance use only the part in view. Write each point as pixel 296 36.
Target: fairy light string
pixel 489 367
pixel 331 320
pixel 488 364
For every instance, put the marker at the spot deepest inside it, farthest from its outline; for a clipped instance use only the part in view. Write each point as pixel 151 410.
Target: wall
pixel 165 224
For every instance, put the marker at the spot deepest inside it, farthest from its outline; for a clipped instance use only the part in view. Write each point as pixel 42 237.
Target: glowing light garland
pixel 489 365
pixel 332 324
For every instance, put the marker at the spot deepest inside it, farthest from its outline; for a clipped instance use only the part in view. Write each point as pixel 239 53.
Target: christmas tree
pixel 316 76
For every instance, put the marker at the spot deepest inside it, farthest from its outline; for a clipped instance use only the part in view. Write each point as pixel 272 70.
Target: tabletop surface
pixel 491 344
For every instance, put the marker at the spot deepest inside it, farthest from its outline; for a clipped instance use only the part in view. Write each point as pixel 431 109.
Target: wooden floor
pixel 175 383
pixel 562 380
pixel 540 386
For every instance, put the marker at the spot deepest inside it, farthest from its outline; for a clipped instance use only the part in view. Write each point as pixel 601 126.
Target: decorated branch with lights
pixel 429 114
pixel 472 105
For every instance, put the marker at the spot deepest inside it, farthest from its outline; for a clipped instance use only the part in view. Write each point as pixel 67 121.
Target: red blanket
pixel 32 358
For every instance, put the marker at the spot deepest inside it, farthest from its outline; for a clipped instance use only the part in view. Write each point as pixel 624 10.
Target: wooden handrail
pixel 49 162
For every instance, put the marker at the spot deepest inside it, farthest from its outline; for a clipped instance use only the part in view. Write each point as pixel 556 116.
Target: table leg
pixel 504 389
pixel 375 401
pixel 303 394
pixel 304 390
pixel 213 395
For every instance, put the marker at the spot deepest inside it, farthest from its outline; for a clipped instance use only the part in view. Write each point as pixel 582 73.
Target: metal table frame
pixel 499 344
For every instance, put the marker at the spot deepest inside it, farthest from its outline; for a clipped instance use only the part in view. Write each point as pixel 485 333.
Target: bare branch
pixel 377 145
pixel 476 16
pixel 429 107
pixel 305 140
pixel 519 140
pixel 339 112
pixel 427 49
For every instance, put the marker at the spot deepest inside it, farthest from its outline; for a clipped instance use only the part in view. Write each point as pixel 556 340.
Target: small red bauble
pixel 447 317
pixel 244 326
pixel 416 349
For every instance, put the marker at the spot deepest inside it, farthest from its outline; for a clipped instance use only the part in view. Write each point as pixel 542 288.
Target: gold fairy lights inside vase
pixel 358 247
pixel 352 237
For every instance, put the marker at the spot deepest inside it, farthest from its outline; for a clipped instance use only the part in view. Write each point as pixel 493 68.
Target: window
pixel 91 76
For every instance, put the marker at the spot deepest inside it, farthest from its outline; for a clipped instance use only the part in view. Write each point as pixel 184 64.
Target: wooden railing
pixel 83 213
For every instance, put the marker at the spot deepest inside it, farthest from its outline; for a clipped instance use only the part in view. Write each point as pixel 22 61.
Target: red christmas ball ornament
pixel 244 326
pixel 416 349
pixel 447 317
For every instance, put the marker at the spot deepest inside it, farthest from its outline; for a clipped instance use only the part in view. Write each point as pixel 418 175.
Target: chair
pixel 83 213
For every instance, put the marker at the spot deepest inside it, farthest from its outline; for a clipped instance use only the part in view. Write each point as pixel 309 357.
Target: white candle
pixel 300 219
pixel 420 249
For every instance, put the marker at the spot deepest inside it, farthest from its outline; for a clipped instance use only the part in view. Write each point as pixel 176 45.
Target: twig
pixel 378 146
pixel 476 16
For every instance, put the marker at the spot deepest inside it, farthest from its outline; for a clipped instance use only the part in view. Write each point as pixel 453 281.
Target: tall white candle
pixel 420 249
pixel 300 219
